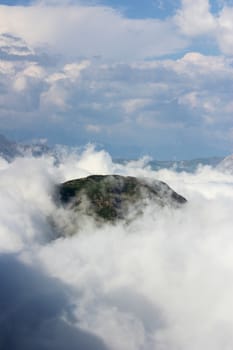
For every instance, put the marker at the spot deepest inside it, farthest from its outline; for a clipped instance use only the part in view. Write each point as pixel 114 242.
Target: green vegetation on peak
pixel 110 197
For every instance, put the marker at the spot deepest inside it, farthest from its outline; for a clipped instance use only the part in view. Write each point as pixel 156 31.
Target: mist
pixel 164 281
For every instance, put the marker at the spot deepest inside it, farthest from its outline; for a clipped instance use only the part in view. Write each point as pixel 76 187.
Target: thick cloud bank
pixel 162 282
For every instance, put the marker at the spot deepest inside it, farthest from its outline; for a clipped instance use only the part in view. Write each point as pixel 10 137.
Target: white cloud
pixel 191 99
pixel 62 27
pixel 54 97
pixel 6 68
pixel 13 46
pixel 194 18
pixel 96 101
pixel 81 31
pixel 73 70
pixel 28 76
pixel 225 30
pixel 59 84
pixel 132 105
pixel 76 95
pixel 93 128
pixel 203 63
pixel 142 286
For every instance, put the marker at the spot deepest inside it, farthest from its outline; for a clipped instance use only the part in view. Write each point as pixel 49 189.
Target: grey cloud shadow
pixel 36 311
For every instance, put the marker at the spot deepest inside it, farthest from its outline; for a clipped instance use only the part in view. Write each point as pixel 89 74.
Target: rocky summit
pixel 110 197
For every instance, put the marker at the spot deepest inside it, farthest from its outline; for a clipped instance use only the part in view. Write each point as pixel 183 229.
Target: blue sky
pixel 132 8
pixel 151 77
pixel 136 8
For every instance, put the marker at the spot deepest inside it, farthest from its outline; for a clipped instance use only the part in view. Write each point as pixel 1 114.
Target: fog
pixel 164 281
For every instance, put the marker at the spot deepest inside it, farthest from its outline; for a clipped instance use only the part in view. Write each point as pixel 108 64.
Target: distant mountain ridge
pixel 186 165
pixel 180 165
pixel 10 149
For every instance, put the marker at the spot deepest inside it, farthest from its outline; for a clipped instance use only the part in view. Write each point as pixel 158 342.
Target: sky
pixel 135 77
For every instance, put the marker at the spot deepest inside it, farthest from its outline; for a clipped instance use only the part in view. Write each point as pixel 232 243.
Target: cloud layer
pixel 64 29
pixel 152 105
pixel 164 281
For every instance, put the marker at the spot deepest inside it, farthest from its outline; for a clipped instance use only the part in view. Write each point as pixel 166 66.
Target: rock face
pixel 110 197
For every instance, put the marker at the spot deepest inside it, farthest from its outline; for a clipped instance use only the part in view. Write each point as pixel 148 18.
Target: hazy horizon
pixel 116 156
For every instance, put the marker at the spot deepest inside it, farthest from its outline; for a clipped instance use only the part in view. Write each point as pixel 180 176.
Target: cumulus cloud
pixel 225 30
pixel 164 281
pixel 92 101
pixel 80 97
pixel 196 19
pixel 55 26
